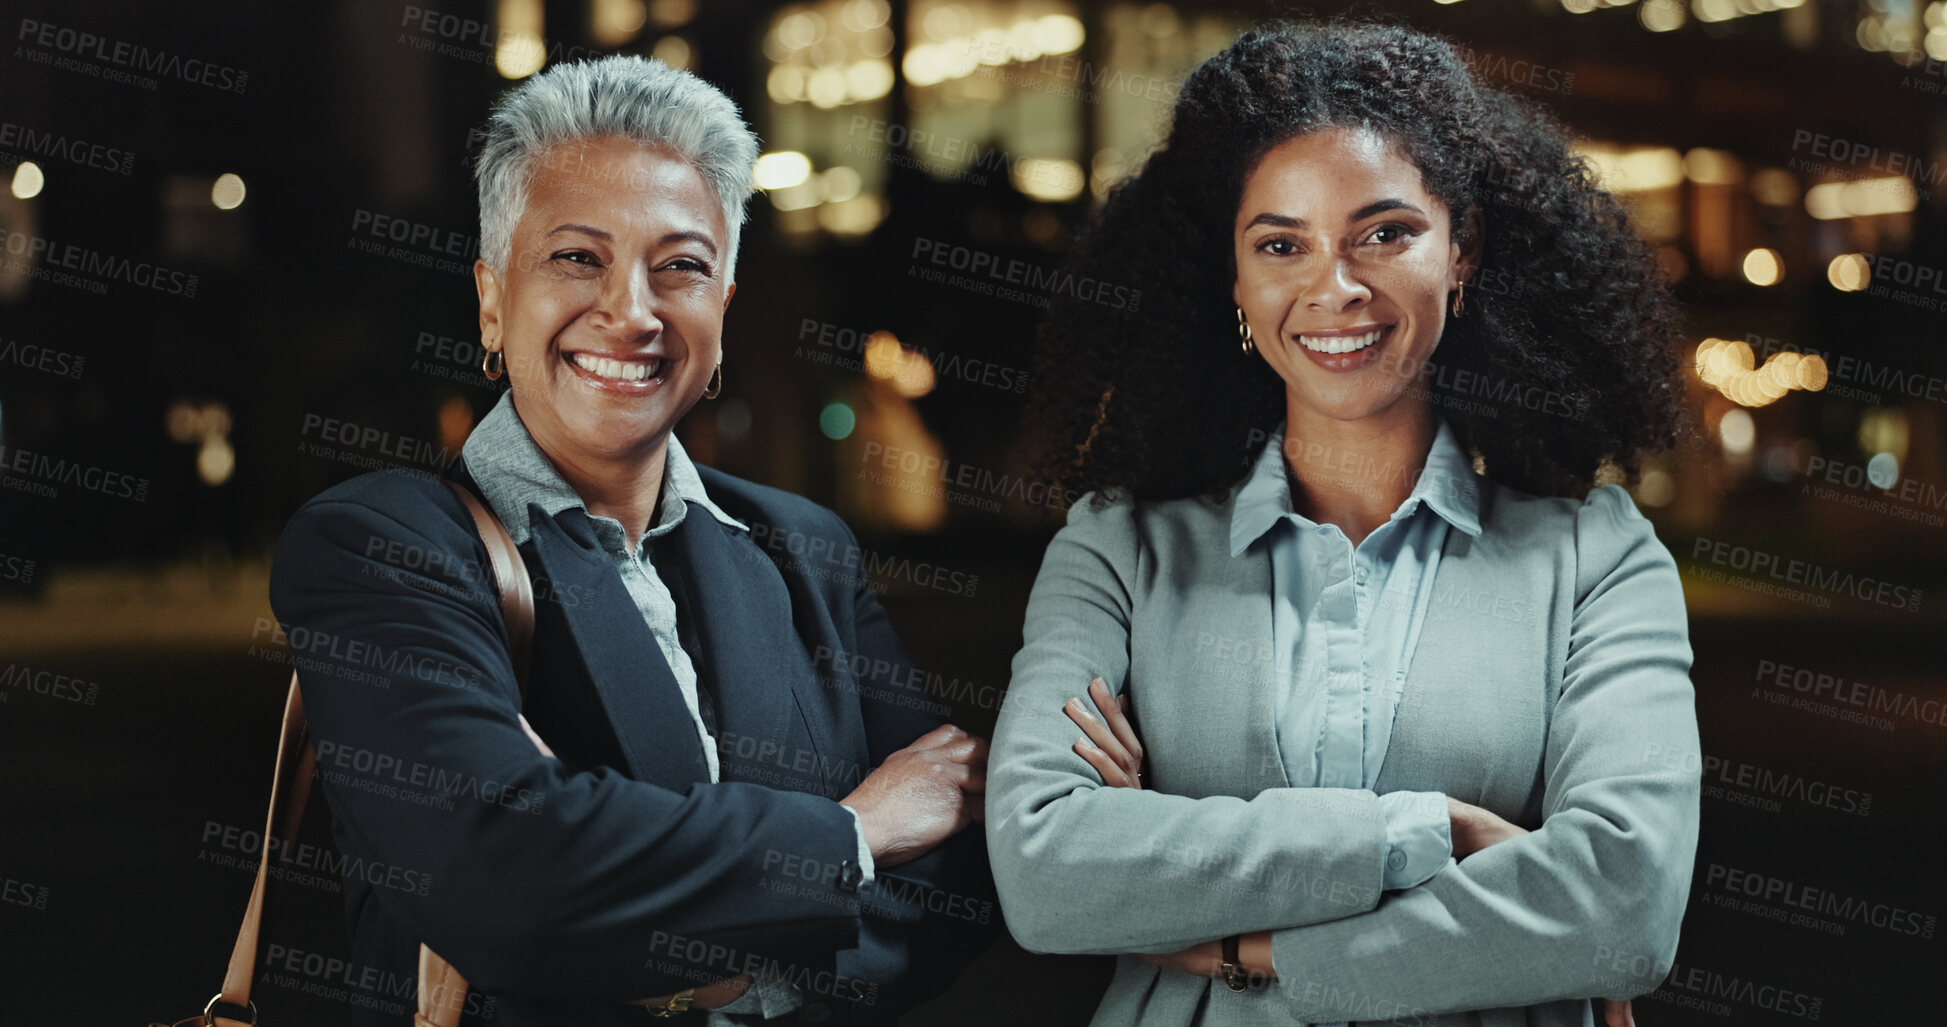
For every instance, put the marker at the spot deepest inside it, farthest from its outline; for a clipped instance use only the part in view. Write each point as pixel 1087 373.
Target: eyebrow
pixel 607 237
pixel 1375 207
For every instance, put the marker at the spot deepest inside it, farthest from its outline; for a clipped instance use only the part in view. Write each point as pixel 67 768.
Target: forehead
pixel 616 184
pixel 1332 168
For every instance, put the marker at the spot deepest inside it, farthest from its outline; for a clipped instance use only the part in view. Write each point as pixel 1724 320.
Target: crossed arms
pixel 572 888
pixel 1087 868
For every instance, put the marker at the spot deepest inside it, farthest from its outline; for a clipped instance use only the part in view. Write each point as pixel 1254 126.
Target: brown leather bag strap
pixel 243 957
pixel 442 991
pixel 510 577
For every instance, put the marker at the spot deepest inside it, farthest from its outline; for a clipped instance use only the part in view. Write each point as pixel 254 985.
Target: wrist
pixel 1230 965
pixel 1255 951
pixel 1244 961
pixel 868 826
pixel 721 993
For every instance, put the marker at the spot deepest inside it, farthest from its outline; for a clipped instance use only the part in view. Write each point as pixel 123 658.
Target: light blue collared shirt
pixel 1345 622
pixel 513 472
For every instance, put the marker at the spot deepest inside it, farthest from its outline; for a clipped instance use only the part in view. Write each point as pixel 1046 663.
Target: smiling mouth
pixel 618 370
pixel 1341 343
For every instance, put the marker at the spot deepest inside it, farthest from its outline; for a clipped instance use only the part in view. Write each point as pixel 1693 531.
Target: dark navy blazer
pixel 561 888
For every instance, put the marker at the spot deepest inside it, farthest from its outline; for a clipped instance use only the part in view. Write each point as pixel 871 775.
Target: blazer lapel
pixel 1253 688
pixel 1259 700
pixel 1205 672
pixel 753 660
pixel 578 589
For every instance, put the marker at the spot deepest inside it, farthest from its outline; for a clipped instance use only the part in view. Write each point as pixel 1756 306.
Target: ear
pixel 487 284
pixel 728 292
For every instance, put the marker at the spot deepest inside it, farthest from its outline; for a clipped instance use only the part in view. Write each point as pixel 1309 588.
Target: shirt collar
pixel 1447 485
pixel 513 472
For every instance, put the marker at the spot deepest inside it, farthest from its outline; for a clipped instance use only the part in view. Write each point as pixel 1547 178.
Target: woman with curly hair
pixel 1389 707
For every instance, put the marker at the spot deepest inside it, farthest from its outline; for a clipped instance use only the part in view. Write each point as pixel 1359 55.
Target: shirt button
pixel 1362 575
pixel 1397 860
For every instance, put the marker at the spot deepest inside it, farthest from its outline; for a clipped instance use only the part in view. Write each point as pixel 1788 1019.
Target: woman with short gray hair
pixel 628 97
pixel 716 794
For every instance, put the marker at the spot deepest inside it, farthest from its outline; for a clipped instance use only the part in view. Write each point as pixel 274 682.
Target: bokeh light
pixel 837 421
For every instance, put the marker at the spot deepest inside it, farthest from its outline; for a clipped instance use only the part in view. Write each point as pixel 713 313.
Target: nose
pixel 626 306
pixel 1335 287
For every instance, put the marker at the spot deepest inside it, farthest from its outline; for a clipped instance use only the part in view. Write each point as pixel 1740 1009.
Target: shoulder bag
pixel 442 991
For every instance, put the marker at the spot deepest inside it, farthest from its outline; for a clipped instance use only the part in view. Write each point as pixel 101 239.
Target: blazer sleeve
pixel 1600 887
pixel 927 918
pixel 1083 868
pixel 543 882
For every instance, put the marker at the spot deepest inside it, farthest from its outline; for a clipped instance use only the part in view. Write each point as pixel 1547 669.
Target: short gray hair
pixel 622 95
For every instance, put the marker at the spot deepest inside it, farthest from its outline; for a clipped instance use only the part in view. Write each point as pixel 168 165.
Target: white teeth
pixel 1340 344
pixel 620 370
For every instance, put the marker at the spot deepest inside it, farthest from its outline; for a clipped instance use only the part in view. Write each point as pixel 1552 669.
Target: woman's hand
pixel 1111 748
pixel 922 795
pixel 1201 960
pixel 709 996
pixel 1207 958
pixel 1475 829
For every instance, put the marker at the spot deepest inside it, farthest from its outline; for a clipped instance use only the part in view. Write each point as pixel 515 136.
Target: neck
pixel 624 485
pixel 625 489
pixel 1355 474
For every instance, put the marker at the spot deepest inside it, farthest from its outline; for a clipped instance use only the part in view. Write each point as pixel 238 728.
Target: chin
pixel 1356 405
pixel 613 432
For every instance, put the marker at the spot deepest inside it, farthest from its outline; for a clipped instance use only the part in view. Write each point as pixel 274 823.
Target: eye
pixel 1278 246
pixel 1386 235
pixel 580 257
pixel 689 264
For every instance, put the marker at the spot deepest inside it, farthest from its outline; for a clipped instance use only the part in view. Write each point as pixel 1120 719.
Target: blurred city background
pixel 235 252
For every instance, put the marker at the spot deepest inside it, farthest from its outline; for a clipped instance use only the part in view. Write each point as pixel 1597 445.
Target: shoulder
pixel 809 545
pixel 771 512
pixel 1522 520
pixel 388 515
pixel 1603 532
pixel 1602 536
pixel 1123 526
pixel 1614 541
pixel 414 499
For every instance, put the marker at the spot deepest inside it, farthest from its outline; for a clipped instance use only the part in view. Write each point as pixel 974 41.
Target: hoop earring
pixel 1244 340
pixel 716 387
pixel 488 367
pixel 1458 293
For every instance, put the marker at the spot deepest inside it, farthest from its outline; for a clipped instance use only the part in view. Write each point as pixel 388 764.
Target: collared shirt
pixel 1345 622
pixel 513 472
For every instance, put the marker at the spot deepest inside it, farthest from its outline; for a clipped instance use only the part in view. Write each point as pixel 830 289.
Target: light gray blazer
pixel 1550 685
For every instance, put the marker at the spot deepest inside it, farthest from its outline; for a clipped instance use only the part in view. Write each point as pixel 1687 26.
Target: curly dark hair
pixel 1156 400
